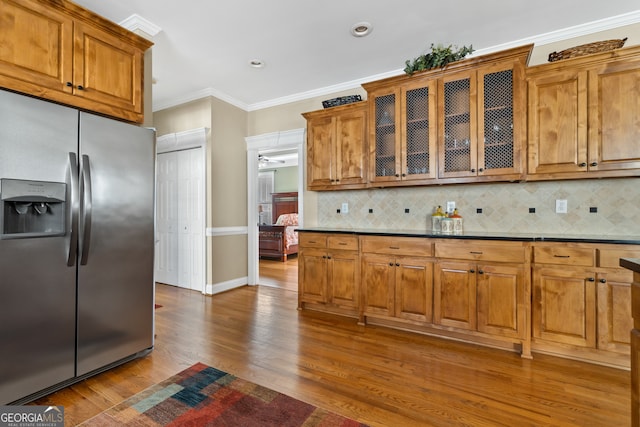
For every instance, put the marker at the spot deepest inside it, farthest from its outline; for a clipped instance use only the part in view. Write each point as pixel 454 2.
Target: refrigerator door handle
pixel 74 209
pixel 86 209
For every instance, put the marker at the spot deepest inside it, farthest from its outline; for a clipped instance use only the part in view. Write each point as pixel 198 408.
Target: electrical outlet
pixel 451 206
pixel 345 208
pixel 561 206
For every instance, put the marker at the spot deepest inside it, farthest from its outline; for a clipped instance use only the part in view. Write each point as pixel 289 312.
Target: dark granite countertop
pixel 632 264
pixel 482 235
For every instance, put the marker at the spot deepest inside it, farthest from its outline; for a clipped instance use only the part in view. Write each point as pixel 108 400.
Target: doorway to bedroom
pixel 277 206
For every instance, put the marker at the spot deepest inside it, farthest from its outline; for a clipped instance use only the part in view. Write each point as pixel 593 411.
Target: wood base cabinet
pixel 472 293
pixel 394 283
pixel 582 301
pixel 61 52
pixel 329 271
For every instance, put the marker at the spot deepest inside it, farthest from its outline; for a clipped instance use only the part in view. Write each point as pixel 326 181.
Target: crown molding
pixel 538 40
pixel 136 22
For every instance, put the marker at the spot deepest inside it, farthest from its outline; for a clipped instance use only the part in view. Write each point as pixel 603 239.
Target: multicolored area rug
pixel 205 396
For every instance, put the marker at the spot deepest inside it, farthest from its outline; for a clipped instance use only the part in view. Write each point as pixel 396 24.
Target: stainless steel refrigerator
pixel 76 245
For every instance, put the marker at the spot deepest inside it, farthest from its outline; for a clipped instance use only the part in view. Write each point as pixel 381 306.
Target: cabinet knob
pixel 397 264
pixel 582 165
pixel 480 272
pixel 472 271
pixel 594 164
pixel 397 175
pixel 481 170
pixel 337 180
pixel 390 264
pixel 329 257
pixel 80 87
pixel 404 174
pixel 591 279
pixel 69 84
pixel 473 170
pixel 603 280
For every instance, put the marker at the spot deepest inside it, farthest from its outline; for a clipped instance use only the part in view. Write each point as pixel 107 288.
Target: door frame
pixel 194 138
pixel 281 140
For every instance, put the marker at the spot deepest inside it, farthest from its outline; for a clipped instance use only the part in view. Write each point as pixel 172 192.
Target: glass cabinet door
pixel 458 148
pixel 386 138
pixel 419 132
pixel 496 130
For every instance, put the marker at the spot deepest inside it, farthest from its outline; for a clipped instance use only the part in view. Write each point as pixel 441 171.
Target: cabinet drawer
pixel 410 246
pixel 610 257
pixel 312 240
pixel 482 251
pixel 565 255
pixel 345 242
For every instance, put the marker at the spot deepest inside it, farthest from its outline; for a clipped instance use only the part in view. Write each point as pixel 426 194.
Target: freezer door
pixel 115 276
pixel 37 288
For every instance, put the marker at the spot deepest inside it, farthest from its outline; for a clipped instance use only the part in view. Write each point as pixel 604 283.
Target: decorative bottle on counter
pixel 436 219
pixel 457 222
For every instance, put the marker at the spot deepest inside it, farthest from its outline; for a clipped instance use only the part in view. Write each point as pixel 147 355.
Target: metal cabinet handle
pixel 480 271
pixel 594 164
pixel 472 271
pixel 69 84
pixel 591 279
pixel 80 87
pixel 582 165
pixel 603 280
pixel 481 170
pixel 473 170
pixel 390 264
pixel 394 247
pixel 562 256
pixel 397 264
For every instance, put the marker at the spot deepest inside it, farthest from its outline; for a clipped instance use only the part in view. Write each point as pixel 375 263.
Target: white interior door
pixel 167 218
pixel 180 218
pixel 190 218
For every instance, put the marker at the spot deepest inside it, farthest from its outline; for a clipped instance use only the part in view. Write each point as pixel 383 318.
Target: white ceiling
pixel 204 46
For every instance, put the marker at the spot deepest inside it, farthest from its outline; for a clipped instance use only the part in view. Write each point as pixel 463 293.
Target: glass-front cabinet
pixel 480 132
pixel 463 123
pixel 404 133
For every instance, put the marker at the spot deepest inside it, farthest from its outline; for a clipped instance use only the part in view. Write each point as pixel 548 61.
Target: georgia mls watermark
pixel 31 416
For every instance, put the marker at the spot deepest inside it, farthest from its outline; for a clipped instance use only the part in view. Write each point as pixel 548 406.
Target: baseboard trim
pixel 212 289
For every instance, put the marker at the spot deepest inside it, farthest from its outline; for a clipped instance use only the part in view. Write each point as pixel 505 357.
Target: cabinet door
pixel 500 295
pixel 558 122
pixel 312 275
pixel 320 152
pixel 343 278
pixel 614 311
pixel 385 148
pixel 419 131
pixel 458 118
pixel 614 108
pixel 454 295
pixel 37 45
pixel 564 306
pixel 501 123
pixel 414 289
pixel 378 275
pixel 351 158
pixel 106 69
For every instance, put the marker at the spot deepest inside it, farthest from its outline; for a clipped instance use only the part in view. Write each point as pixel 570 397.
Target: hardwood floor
pixel 279 274
pixel 376 375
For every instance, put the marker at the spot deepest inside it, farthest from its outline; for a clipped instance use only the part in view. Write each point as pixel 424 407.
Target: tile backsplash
pixel 594 206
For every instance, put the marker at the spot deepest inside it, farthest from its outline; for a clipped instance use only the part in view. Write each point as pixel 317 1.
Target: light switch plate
pixel 561 206
pixel 451 206
pixel 345 208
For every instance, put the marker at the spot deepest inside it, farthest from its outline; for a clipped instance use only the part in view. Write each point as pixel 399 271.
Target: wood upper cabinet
pixel 63 53
pixel 403 132
pixel 583 116
pixel 463 123
pixel 337 148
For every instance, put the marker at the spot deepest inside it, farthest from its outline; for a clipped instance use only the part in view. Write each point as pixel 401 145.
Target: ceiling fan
pixel 266 160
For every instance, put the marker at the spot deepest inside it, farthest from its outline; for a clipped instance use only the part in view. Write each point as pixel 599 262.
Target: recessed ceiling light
pixel 361 29
pixel 256 63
